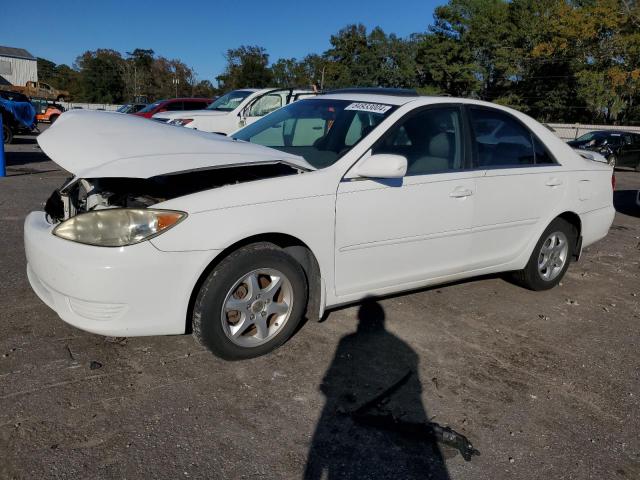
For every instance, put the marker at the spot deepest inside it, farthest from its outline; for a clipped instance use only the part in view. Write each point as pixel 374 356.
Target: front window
pixel 320 130
pixel 230 101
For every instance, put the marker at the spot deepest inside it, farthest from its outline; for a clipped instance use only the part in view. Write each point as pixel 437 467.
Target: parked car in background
pixel 39 90
pixel 173 105
pixel 18 115
pixel 321 203
pixel 131 107
pixel 47 112
pixel 235 109
pixel 620 148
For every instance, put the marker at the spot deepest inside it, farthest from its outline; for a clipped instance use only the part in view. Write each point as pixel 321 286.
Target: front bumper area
pixel 126 291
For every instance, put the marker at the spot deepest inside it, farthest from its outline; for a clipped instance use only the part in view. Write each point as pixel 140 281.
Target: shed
pixel 17 66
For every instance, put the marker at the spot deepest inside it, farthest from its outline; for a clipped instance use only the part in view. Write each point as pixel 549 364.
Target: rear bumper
pixel 127 291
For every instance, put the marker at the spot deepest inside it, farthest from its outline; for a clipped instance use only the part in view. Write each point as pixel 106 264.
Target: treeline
pixel 105 76
pixel 558 60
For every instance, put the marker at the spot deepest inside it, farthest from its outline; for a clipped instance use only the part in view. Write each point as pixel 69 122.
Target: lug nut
pixel 252 316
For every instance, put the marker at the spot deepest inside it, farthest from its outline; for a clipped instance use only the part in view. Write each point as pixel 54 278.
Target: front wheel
pixel 550 258
pixel 251 303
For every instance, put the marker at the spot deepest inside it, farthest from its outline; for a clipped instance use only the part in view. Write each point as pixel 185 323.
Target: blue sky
pixel 197 31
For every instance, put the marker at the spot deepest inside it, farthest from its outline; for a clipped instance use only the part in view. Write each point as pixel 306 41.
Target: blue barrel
pixel 3 169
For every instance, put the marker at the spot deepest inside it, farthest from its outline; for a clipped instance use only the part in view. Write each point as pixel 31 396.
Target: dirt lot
pixel 545 385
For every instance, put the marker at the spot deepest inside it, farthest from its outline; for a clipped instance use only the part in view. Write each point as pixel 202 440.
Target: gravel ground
pixel 545 385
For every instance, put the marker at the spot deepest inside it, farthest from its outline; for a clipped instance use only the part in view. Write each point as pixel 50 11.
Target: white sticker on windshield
pixel 369 107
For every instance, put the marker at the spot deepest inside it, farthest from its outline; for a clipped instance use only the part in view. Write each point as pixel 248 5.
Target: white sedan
pixel 324 202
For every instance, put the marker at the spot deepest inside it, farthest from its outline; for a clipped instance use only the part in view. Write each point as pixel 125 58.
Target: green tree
pixel 100 76
pixel 247 66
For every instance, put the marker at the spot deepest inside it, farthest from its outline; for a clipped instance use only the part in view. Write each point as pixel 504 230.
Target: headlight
pixel 181 121
pixel 117 227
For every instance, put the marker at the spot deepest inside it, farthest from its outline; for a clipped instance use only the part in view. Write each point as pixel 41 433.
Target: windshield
pixel 230 101
pixel 320 130
pixel 151 107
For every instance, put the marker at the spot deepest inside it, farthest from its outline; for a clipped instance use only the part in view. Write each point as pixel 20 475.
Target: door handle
pixel 460 193
pixel 553 182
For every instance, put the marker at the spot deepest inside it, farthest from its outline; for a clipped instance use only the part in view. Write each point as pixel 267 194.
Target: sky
pixel 198 32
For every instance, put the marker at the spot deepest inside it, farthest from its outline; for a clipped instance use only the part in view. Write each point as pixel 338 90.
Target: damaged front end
pixel 83 195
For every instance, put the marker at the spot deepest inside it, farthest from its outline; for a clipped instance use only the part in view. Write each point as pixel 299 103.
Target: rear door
pixel 519 186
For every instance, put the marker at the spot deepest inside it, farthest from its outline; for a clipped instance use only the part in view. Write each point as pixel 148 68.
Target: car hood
pixel 190 114
pixel 93 144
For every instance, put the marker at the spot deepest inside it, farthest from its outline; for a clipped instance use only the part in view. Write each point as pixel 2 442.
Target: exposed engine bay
pixel 81 195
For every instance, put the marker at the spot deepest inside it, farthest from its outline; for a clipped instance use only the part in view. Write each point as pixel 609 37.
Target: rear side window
pixel 173 106
pixel 195 105
pixel 500 140
pixel 542 155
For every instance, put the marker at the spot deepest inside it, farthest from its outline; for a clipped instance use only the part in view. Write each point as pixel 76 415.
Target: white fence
pixel 90 106
pixel 567 131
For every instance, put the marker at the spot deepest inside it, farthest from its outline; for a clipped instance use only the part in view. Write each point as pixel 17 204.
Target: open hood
pixel 106 144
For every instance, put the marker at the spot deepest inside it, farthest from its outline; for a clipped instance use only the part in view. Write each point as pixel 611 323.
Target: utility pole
pixel 176 81
pixel 322 80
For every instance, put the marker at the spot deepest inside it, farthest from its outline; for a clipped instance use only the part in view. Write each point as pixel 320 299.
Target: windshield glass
pixel 320 130
pixel 151 107
pixel 230 101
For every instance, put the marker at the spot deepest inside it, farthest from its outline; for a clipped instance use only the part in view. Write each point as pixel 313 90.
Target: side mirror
pixel 382 165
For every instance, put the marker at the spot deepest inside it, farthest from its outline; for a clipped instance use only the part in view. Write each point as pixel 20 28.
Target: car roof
pixel 398 100
pixel 182 99
pixel 615 132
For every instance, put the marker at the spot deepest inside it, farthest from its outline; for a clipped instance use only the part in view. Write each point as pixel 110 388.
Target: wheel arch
pixel 574 220
pixel 295 247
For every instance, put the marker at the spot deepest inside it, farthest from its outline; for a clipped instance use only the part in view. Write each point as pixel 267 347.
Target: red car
pixel 172 105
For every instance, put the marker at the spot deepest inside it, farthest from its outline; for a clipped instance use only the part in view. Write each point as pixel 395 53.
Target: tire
pixel 612 161
pixel 261 323
pixel 535 276
pixel 53 118
pixel 7 134
pixel 60 99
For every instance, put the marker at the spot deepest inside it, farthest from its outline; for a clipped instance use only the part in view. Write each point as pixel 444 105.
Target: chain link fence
pixel 567 131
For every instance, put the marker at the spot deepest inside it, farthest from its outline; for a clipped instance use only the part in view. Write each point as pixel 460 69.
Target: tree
pixel 100 76
pixel 247 66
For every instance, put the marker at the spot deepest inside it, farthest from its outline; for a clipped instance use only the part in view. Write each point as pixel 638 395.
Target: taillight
pixel 613 181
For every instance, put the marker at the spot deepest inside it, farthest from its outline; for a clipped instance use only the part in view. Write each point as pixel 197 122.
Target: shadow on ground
pixel 365 364
pixel 626 202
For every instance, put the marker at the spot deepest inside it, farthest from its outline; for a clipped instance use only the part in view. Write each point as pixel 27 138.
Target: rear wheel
pixel 550 258
pixel 7 134
pixel 250 303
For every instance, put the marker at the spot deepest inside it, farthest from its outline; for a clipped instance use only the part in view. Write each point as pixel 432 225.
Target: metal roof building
pixel 17 66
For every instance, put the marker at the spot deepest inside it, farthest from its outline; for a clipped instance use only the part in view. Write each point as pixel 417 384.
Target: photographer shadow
pixel 365 365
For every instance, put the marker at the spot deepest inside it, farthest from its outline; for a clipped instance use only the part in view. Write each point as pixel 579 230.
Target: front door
pixel 393 234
